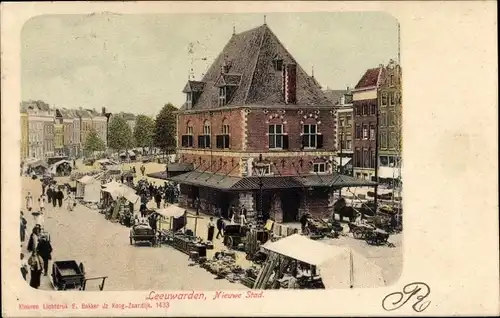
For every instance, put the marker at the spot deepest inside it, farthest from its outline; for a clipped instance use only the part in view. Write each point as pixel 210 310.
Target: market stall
pixel 121 198
pixel 88 188
pixel 329 266
pixel 61 168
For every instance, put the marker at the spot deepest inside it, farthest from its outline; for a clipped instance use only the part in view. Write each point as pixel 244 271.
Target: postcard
pixel 249 159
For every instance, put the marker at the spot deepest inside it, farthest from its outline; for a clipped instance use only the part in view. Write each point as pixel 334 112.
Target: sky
pixel 138 63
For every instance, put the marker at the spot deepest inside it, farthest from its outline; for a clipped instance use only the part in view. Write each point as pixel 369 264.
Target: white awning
pixel 171 211
pixel 301 248
pixel 118 190
pixel 341 161
pixel 87 180
pixel 339 267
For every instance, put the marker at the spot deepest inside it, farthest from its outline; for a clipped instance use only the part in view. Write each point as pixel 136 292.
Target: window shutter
pixel 285 141
pixel 201 141
pixel 207 141
pixel 305 141
pixel 319 143
pixel 218 141
pixel 226 141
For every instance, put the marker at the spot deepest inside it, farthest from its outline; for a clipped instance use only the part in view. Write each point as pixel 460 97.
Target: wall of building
pixel 365 120
pixel 58 138
pixel 258 121
pixel 24 136
pixel 232 117
pixel 345 127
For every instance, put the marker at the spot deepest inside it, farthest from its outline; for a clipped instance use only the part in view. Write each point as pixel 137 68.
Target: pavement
pixel 86 236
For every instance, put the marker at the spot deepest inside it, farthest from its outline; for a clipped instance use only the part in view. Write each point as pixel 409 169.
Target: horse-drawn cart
pixel 68 275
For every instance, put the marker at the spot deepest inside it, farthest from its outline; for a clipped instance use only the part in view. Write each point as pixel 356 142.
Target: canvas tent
pixel 88 188
pixel 53 167
pixel 176 216
pixel 118 190
pixel 339 267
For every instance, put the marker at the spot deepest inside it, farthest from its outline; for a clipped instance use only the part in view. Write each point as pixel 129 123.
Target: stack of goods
pixel 224 266
pixel 250 276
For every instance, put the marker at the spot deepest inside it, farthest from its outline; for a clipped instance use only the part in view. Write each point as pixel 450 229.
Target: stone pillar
pixel 246 199
pixel 276 211
pixel 332 197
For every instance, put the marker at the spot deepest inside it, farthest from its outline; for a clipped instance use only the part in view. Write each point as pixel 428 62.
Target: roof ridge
pixel 256 62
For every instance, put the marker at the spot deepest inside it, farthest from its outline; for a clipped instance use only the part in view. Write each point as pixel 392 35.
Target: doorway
pixel 223 202
pixel 290 202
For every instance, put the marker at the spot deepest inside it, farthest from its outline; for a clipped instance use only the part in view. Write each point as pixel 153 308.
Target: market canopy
pixel 171 211
pixel 87 179
pixel 301 248
pixel 340 267
pixel 37 163
pixel 61 162
pixel 118 190
pixel 105 161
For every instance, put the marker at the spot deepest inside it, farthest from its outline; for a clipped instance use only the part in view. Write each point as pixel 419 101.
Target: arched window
pixel 222 140
pixel 204 139
pixel 189 128
pixel 225 126
pixel 187 139
pixel 206 128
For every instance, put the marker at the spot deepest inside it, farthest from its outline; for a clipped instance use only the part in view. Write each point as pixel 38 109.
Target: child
pixel 24 266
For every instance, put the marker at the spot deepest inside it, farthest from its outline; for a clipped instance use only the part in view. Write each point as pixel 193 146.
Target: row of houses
pixel 375 102
pixel 258 131
pixel 48 131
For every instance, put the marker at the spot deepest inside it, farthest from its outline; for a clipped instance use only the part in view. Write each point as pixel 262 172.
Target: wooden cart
pixel 377 237
pixel 68 275
pixel 142 233
pixel 360 231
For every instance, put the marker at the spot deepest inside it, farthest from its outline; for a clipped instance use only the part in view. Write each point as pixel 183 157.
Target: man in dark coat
pixel 45 251
pixel 158 199
pixel 220 227
pixel 60 197
pixel 49 194
pixel 23 227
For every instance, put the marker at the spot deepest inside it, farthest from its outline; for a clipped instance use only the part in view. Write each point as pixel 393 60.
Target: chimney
pixel 290 83
pixel 103 111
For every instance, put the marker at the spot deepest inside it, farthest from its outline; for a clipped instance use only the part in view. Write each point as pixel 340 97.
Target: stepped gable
pixel 247 62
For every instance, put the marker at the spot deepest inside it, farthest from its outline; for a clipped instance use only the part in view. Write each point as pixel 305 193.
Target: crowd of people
pixel 39 245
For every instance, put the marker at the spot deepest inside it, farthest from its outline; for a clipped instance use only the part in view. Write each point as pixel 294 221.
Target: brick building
pixel 256 104
pixel 390 123
pixel 365 103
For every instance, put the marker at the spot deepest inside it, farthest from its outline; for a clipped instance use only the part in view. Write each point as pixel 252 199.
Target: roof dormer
pixel 193 90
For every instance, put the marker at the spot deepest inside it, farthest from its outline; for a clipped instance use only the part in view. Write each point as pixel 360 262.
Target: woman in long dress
pixel 36 267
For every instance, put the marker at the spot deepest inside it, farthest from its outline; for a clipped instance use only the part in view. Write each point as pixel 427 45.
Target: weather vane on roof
pixel 265 19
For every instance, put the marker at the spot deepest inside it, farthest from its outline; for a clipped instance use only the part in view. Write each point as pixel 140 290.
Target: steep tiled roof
pixel 252 54
pixel 82 113
pixel 369 79
pixel 334 95
pixel 193 86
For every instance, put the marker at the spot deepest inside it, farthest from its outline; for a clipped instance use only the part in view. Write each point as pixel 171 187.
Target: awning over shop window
pixel 224 182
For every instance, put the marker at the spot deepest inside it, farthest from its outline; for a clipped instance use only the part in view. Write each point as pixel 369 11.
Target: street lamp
pixel 261 169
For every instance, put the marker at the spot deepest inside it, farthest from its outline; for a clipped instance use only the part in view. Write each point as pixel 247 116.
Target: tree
pixel 165 128
pixel 144 131
pixel 120 135
pixel 93 142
